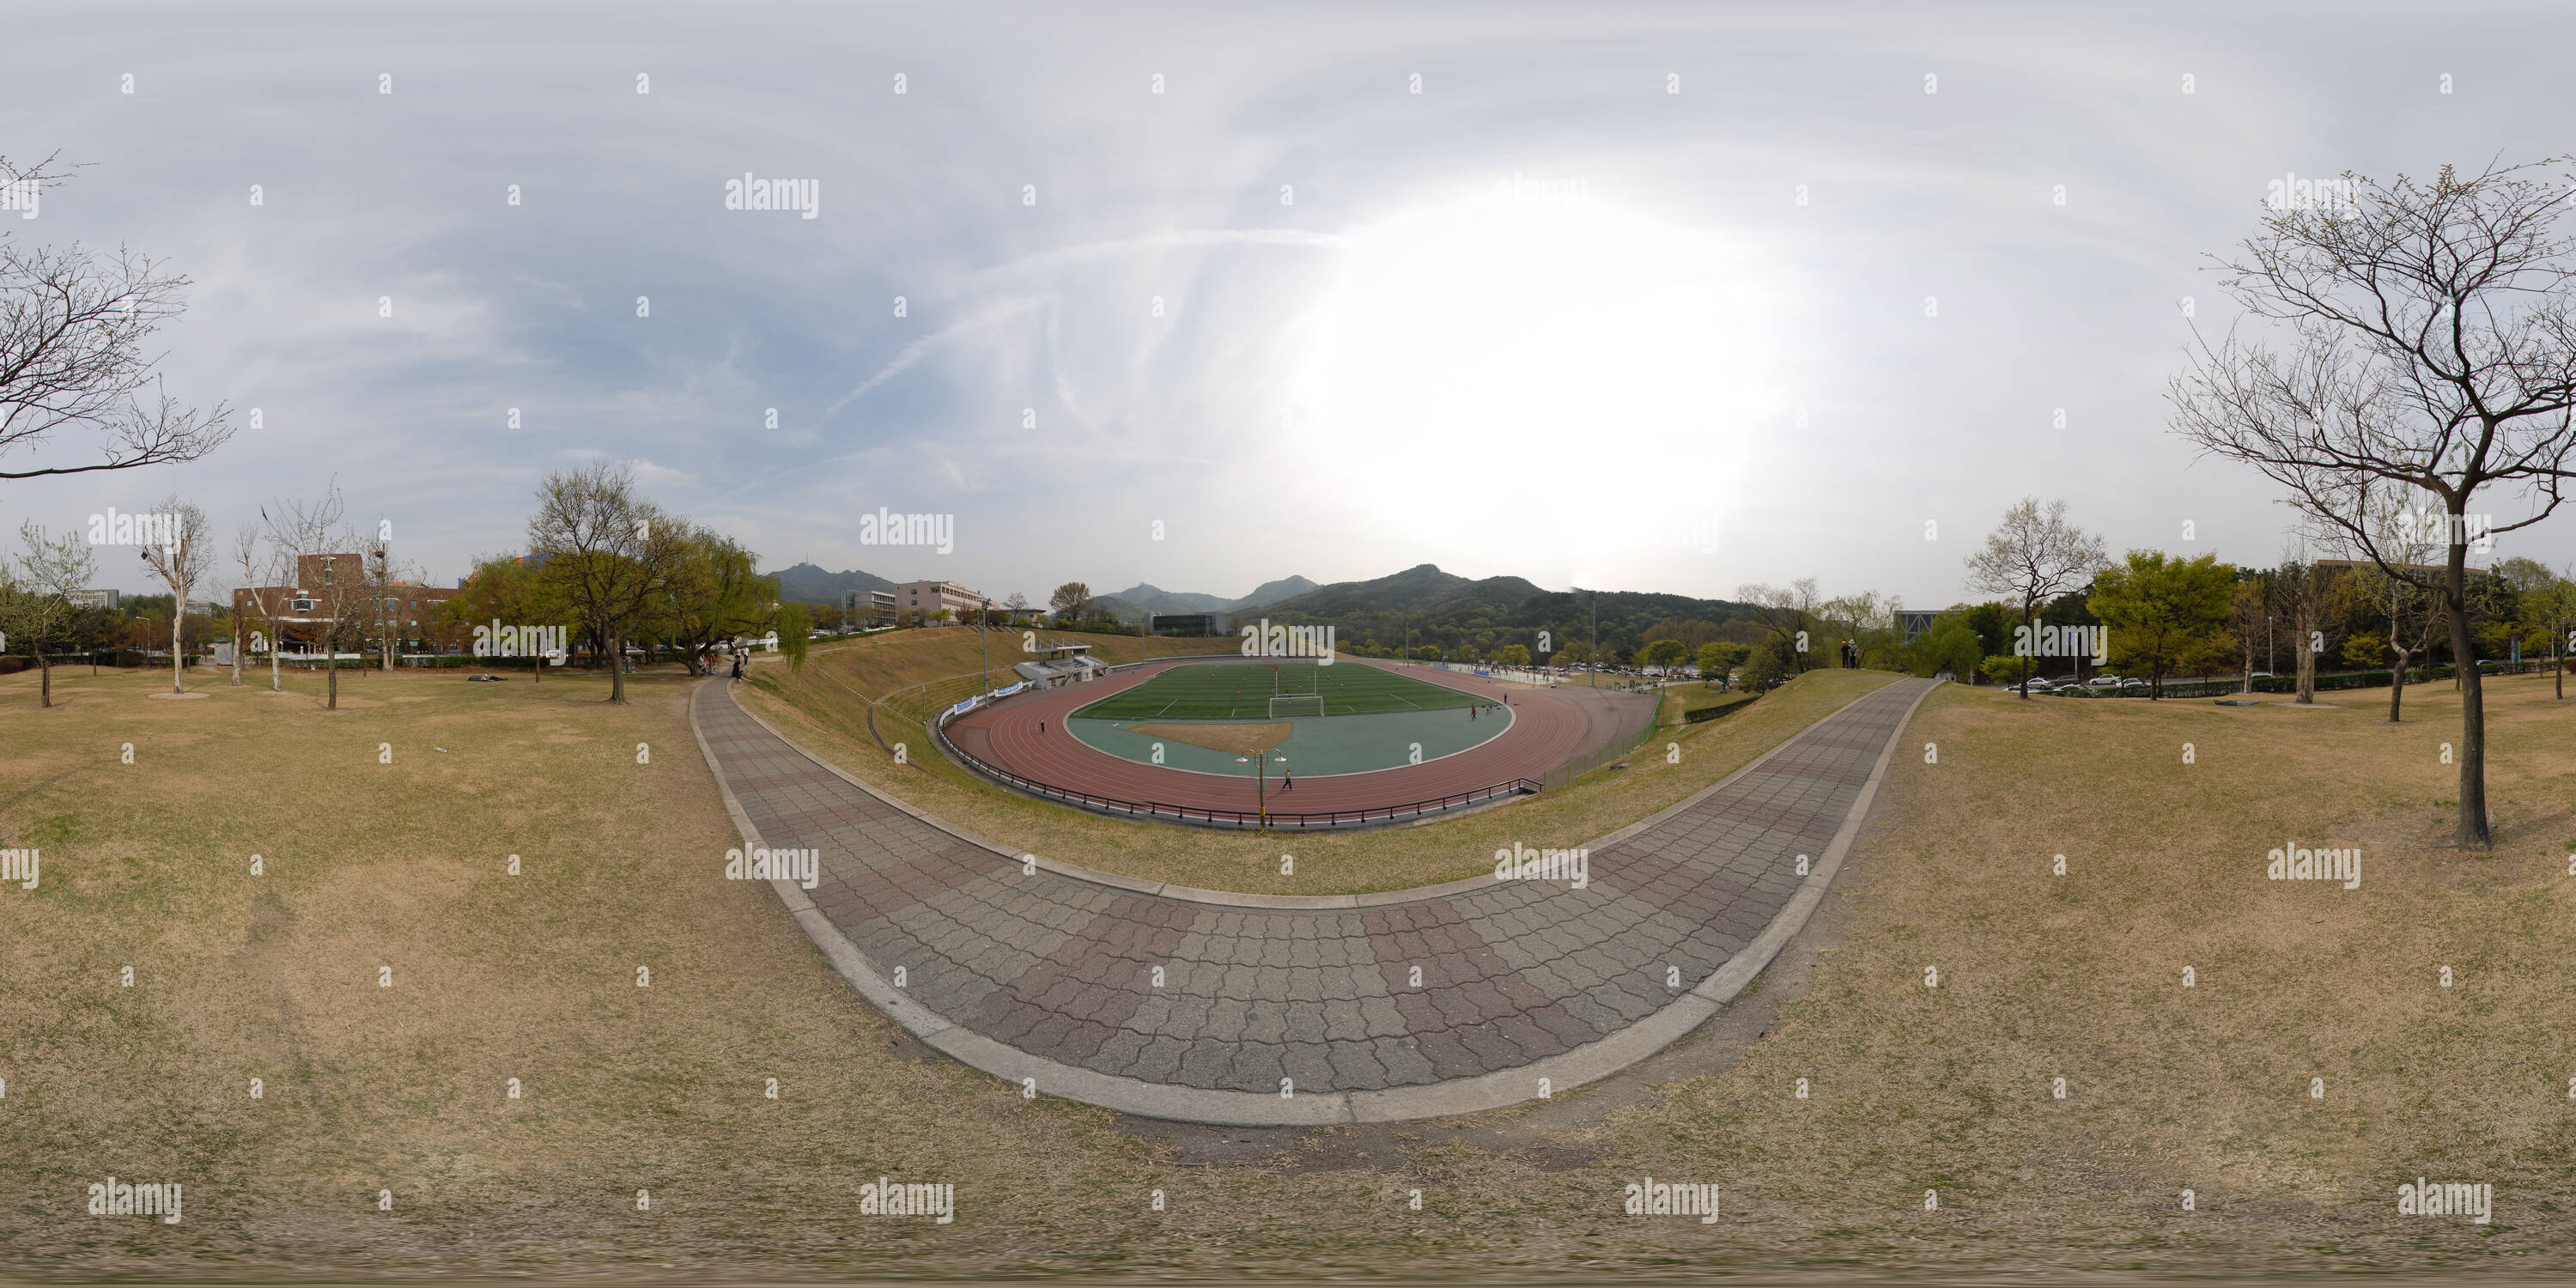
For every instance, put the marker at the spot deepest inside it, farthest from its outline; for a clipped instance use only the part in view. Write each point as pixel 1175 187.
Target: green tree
pixel 2161 608
pixel 35 601
pixel 1718 658
pixel 504 589
pixel 2010 669
pixel 1666 653
pixel 1949 644
pixel 794 629
pixel 713 593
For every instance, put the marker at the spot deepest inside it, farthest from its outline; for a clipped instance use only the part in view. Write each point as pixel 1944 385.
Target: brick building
pixel 406 610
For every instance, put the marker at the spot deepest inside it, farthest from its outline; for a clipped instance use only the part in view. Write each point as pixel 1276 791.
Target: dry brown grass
pixel 660 1088
pixel 1241 739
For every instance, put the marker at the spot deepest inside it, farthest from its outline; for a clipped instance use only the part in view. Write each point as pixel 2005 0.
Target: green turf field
pixel 1242 691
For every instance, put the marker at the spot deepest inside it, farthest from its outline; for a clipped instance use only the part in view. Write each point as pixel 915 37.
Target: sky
pixel 1632 297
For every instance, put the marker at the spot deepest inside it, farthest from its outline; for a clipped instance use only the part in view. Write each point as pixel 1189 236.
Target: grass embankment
pixel 824 710
pixel 1947 1088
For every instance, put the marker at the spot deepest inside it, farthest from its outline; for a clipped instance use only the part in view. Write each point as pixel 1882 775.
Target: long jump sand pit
pixel 1236 739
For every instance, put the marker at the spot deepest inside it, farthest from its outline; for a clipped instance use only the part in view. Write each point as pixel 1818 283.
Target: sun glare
pixel 1561 333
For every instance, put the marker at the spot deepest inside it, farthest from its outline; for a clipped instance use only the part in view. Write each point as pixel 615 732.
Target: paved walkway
pixel 1249 1009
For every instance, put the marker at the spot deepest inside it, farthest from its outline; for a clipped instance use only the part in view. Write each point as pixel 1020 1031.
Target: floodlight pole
pixel 984 628
pixel 1595 601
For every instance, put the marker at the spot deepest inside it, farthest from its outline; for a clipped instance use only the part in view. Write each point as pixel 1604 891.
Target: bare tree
pixel 180 556
pixel 329 576
pixel 37 604
pixel 2035 556
pixel 2430 342
pixel 72 331
pixel 1788 613
pixel 257 562
pixel 2247 617
pixel 2404 539
pixel 2297 593
pixel 604 559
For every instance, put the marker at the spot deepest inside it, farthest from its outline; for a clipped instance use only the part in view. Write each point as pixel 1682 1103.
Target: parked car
pixel 2133 683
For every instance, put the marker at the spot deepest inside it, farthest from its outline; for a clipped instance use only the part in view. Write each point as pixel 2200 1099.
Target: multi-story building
pixel 96 598
pixel 329 586
pixel 919 599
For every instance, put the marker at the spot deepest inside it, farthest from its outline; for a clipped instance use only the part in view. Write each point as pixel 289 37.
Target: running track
pixel 1276 1010
pixel 1548 729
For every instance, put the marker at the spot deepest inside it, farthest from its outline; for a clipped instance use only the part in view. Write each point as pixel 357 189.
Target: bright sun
pixel 1553 332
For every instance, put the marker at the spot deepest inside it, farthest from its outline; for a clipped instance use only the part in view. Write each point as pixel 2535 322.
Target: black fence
pixel 2325 682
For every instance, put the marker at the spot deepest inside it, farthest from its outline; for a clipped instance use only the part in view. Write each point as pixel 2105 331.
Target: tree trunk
pixel 237 645
pixel 2471 834
pixel 617 668
pixel 2030 630
pixel 2397 681
pixel 44 678
pixel 276 646
pixel 178 618
pixel 2307 650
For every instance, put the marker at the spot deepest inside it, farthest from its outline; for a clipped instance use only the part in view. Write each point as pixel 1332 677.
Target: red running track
pixel 1547 730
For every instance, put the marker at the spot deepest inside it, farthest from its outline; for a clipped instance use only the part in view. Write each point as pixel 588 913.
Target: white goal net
pixel 1297 704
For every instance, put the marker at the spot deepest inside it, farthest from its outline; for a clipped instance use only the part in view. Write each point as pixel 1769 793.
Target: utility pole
pixel 1595 602
pixel 984 628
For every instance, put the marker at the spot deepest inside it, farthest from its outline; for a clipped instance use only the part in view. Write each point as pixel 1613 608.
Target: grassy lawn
pixel 824 709
pixel 626 1088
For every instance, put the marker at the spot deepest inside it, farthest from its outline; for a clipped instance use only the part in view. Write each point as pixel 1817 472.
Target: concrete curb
pixel 1503 1088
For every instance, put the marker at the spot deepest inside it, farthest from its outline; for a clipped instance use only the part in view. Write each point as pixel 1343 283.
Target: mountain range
pixel 1422 605
pixel 1134 602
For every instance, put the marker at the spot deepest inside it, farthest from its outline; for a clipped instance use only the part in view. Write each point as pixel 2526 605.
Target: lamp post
pixel 984 627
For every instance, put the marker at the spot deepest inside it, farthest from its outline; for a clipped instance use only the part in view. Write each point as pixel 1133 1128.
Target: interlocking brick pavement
pixel 1403 994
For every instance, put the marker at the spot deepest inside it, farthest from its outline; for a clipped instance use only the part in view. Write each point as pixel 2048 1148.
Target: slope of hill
pixel 807 584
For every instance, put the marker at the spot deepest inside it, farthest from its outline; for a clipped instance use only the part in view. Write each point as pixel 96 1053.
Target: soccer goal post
pixel 1296 704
